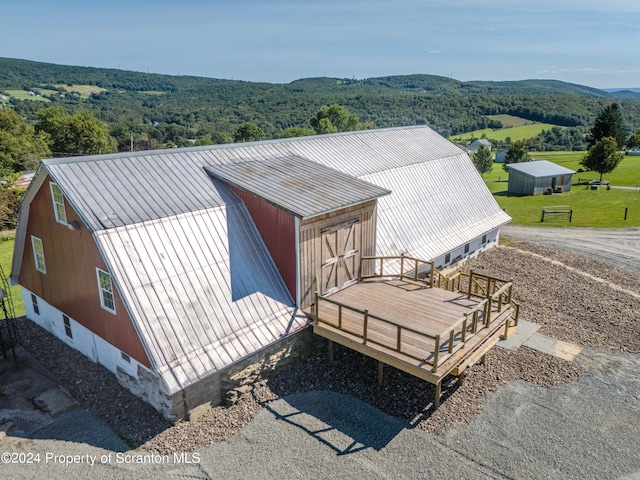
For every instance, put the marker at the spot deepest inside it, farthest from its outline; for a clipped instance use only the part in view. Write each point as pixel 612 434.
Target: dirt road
pixel 619 248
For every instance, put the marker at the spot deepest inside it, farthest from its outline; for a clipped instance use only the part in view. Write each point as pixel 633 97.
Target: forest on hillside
pixel 157 110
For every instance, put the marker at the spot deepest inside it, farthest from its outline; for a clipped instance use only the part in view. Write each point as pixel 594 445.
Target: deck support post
pixel 483 360
pixel 461 378
pixel 436 397
pixel 380 373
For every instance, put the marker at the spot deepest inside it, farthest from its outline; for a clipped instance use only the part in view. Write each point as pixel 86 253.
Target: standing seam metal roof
pixel 189 263
pixel 296 185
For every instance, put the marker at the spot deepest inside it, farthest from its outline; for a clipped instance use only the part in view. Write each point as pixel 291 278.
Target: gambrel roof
pixel 197 280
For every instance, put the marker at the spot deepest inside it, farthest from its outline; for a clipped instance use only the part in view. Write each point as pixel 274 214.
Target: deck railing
pixel 445 345
pixel 495 295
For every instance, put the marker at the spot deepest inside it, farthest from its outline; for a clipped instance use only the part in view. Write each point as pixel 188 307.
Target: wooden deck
pixel 415 326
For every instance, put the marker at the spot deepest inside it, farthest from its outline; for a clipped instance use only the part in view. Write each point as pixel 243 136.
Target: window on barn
pixel 106 291
pixel 34 304
pixel 466 248
pixel 484 239
pixel 67 326
pixel 58 203
pixel 447 258
pixel 38 254
pixel 125 357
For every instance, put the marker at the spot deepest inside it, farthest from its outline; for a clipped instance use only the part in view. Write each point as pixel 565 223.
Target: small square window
pixel 447 258
pixel 67 326
pixel 484 239
pixel 466 248
pixel 38 254
pixel 58 203
pixel 106 291
pixel 34 303
pixel 125 357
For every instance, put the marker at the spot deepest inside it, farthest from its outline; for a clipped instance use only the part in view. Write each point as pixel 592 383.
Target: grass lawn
pixel 591 208
pixel 6 256
pixel 522 132
pixel 24 95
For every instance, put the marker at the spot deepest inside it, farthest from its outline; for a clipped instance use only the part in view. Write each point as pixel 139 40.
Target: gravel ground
pixel 563 316
pixel 569 306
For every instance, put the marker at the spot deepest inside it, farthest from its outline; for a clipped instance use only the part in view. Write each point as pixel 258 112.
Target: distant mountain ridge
pixel 176 108
pixel 15 72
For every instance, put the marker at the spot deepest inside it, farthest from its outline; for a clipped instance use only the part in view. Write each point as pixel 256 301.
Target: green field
pixel 522 132
pixel 510 120
pixel 6 257
pixel 591 208
pixel 84 91
pixel 24 95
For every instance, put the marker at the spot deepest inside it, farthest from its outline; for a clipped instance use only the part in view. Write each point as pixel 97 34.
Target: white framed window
pixel 105 286
pixel 58 203
pixel 38 254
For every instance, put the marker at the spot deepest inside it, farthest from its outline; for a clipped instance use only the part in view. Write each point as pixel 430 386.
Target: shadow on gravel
pixel 407 398
pixel 338 421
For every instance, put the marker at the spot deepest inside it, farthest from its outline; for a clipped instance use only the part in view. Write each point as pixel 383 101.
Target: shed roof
pixel 297 185
pixel 540 168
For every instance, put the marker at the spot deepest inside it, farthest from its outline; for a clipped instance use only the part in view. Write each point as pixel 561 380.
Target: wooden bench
pixel 557 211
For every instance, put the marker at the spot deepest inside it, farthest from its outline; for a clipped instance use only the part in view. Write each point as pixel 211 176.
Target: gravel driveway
pixel 617 247
pixel 531 415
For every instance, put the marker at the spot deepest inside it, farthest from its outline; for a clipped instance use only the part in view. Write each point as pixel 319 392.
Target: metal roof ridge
pixel 226 146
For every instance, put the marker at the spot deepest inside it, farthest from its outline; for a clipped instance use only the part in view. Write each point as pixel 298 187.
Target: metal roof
pixel 540 168
pixel 297 185
pixel 188 261
pixel 202 288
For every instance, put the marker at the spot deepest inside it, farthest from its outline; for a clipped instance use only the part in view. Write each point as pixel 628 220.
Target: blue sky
pixel 588 42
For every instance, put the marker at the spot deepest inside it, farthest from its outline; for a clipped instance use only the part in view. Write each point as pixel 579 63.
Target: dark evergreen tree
pixel 608 124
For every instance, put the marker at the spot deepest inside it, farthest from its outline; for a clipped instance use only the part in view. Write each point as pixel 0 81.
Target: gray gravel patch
pixel 617 247
pixel 81 426
pixel 587 429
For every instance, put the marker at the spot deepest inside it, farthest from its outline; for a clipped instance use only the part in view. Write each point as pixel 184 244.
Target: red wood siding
pixel 278 231
pixel 71 284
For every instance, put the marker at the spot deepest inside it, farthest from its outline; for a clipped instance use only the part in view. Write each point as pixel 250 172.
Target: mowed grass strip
pixel 6 257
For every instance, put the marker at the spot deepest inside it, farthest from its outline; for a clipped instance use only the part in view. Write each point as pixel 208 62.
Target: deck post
pixel 436 397
pixel 483 359
pixel 463 334
pixel 366 325
pixel 402 267
pixel 451 337
pixel 380 373
pixel 436 353
pixel 432 273
pixel 461 378
pixel 415 270
pixel 470 283
pixel 340 316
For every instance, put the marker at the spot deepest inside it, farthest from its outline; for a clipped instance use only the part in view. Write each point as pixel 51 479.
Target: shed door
pixel 340 261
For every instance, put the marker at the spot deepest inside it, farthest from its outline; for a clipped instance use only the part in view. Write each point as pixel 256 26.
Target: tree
pixel 608 124
pixel 603 157
pixel 248 132
pixel 634 140
pixel 518 152
pixel 20 147
pixel 296 132
pixel 78 134
pixel 334 118
pixel 483 160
